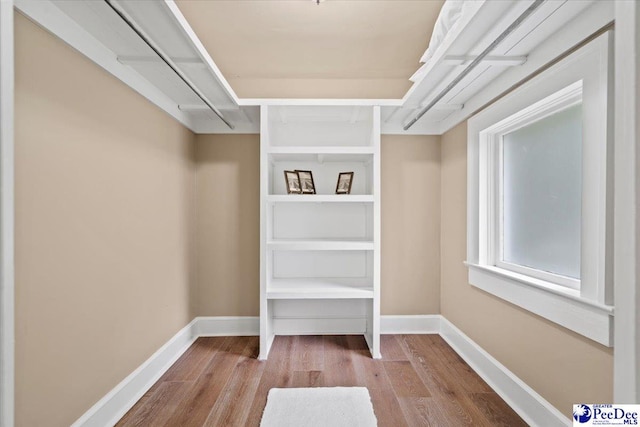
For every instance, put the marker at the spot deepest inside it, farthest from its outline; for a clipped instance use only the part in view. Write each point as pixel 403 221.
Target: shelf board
pixel 320 245
pixel 321 149
pixel 360 154
pixel 320 198
pixel 312 288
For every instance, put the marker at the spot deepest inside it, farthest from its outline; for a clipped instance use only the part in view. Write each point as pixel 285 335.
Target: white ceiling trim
pixel 321 102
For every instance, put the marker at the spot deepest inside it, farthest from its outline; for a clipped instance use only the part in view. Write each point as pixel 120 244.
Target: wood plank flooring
pixel 420 381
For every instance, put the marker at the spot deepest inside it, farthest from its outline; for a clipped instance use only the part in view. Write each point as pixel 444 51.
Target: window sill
pixel 560 305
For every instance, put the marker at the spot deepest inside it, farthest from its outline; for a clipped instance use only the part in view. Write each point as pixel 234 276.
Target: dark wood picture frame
pixel 292 182
pixel 346 179
pixel 307 186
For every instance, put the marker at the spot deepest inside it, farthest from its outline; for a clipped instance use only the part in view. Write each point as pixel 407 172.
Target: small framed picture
pixel 344 183
pixel 306 182
pixel 293 182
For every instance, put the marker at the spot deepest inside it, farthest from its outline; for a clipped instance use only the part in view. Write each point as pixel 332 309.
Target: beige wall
pixel 104 202
pixel 564 367
pixel 410 224
pixel 228 225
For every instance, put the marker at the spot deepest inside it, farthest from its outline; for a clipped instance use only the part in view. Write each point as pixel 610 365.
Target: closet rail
pixel 515 24
pixel 126 18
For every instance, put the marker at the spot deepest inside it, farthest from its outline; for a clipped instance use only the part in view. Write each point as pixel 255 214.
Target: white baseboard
pixel 250 326
pixel 108 410
pixel 523 399
pixel 220 326
pixel 532 407
pixel 319 326
pixel 412 324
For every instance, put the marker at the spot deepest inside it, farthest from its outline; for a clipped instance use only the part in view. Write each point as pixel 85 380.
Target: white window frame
pixel 492 138
pixel 584 306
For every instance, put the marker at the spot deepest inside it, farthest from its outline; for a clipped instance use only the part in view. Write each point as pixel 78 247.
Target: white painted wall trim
pixel 410 324
pixel 588 318
pixel 108 410
pixel 51 18
pixel 330 102
pixel 626 384
pixel 250 326
pixel 220 326
pixel 532 407
pixel 319 326
pixel 7 308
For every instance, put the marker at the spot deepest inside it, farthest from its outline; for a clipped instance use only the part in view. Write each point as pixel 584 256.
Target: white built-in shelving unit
pixel 320 253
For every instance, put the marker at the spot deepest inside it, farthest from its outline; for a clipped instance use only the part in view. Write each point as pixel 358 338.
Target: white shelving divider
pixel 321 198
pixel 320 253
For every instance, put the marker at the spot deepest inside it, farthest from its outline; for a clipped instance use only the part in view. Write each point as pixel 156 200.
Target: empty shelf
pixel 322 288
pixel 320 245
pixel 320 150
pixel 320 198
pixel 321 154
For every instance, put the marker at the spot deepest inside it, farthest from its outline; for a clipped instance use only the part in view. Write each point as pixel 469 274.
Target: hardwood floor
pixel 420 381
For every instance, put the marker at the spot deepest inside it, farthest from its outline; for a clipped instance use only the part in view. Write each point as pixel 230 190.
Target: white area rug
pixel 319 407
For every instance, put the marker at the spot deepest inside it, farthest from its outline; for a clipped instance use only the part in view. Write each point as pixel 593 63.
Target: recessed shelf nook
pixel 320 259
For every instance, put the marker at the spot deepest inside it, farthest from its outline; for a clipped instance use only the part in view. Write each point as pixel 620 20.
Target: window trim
pixel 587 311
pixel 561 305
pixel 556 279
pixel 493 138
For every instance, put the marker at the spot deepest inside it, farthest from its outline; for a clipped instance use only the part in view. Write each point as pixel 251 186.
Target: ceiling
pixel 358 43
pixel 337 53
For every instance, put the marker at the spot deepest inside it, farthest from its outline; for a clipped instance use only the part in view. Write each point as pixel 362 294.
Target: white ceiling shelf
pixel 511 61
pixel 97 32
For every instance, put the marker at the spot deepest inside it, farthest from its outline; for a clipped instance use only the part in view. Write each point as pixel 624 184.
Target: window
pixel 540 198
pixel 535 183
pixel 539 228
